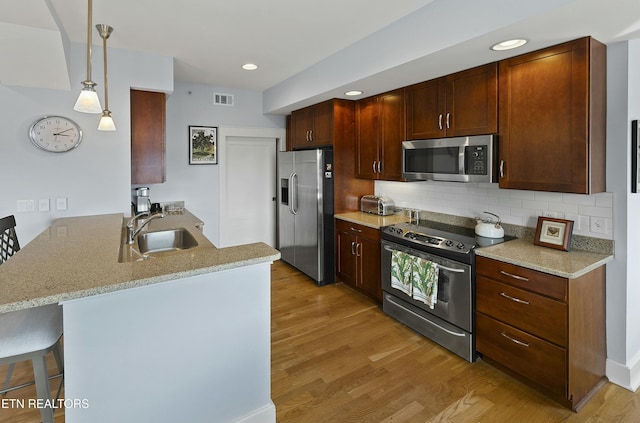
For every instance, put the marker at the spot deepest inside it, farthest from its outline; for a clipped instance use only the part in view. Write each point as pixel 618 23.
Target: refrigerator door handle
pixel 294 193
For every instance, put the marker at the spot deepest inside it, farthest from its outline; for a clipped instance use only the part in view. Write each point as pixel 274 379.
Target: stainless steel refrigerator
pixel 305 212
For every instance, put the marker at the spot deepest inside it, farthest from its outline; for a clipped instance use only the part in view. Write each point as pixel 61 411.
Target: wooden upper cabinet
pixel 148 111
pixel 380 130
pixel 460 104
pixel 426 110
pixel 553 118
pixel 367 149
pixel 313 126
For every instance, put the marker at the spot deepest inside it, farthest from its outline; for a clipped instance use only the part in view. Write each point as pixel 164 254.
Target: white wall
pixel 95 177
pixel 516 207
pixel 623 291
pixel 198 185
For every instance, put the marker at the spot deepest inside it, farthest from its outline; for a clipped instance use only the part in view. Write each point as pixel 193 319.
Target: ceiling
pixel 322 46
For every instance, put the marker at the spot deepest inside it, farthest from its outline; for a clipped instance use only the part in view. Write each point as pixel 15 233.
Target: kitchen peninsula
pixel 180 336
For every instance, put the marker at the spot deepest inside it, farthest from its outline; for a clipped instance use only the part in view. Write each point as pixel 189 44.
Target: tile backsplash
pixel 592 214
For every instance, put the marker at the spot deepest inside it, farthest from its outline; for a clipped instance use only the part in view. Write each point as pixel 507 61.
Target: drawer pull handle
pixel 524 344
pixel 355 229
pixel 520 278
pixel 517 300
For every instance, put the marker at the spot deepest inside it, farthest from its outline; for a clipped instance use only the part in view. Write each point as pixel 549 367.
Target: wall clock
pixel 55 133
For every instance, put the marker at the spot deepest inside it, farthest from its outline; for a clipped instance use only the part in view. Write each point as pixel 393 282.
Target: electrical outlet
pixel 43 205
pixel 598 225
pixel 552 214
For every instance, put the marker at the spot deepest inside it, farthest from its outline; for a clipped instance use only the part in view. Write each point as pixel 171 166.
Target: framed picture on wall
pixel 634 156
pixel 554 233
pixel 203 143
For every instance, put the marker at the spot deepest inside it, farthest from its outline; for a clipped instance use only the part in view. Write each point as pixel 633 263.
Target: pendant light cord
pixel 89 28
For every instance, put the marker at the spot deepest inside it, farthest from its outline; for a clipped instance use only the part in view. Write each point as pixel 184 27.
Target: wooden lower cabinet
pixel 358 258
pixel 546 330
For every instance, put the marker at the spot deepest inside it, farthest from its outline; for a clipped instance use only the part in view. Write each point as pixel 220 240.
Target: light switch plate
pixel 23 206
pixel 43 205
pixel 61 203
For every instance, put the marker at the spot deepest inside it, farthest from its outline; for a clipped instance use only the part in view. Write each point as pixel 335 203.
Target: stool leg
pixel 57 353
pixel 42 387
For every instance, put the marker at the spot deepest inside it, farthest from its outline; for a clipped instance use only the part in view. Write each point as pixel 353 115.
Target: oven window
pixel 432 160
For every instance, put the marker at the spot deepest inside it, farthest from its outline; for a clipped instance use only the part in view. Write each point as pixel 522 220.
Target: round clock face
pixel 55 133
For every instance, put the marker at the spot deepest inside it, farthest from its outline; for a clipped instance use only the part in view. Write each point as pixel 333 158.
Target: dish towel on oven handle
pixel 401 277
pixel 425 281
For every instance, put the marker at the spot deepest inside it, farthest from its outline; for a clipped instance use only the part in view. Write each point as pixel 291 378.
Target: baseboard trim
pixel 626 376
pixel 266 414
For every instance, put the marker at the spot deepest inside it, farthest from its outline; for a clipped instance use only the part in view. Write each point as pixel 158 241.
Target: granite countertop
pixel 372 220
pixel 79 256
pixel 522 252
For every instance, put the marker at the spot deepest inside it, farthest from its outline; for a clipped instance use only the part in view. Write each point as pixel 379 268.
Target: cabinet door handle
pixel 517 300
pixel 448 115
pixel 502 168
pixel 373 165
pixel 440 121
pixel 311 135
pixel 353 251
pixel 358 249
pixel 356 229
pixel 524 344
pixel 520 278
pixel 379 167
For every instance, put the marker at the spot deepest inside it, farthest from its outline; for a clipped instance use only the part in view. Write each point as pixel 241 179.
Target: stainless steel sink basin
pixel 165 240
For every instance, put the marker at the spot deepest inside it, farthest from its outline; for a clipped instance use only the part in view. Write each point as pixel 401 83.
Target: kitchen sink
pixel 165 240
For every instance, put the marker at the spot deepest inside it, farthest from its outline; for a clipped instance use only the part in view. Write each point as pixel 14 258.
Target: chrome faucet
pixel 132 231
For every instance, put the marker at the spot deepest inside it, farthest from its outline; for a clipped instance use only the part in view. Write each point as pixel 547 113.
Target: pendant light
pixel 88 101
pixel 106 121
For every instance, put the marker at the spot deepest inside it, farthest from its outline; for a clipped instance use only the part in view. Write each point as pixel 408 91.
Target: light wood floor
pixel 337 358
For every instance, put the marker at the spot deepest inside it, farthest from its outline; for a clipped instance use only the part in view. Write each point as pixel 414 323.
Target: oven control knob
pixel 460 246
pixel 449 243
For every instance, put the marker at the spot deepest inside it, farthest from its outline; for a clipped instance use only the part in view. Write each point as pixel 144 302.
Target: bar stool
pixel 29 334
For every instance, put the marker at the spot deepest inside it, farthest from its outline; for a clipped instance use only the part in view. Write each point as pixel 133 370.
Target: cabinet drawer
pixel 537 360
pixel 521 277
pixel 358 230
pixel 525 310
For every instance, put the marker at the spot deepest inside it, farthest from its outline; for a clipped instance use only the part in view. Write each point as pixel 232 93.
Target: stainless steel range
pixel 428 281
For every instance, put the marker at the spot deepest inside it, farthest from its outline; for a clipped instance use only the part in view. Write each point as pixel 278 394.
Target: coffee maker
pixel 143 202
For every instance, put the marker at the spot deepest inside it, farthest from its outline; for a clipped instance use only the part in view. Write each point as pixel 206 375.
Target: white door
pixel 249 205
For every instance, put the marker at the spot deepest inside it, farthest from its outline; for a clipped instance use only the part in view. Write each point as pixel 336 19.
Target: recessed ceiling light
pixel 353 92
pixel 249 66
pixel 509 44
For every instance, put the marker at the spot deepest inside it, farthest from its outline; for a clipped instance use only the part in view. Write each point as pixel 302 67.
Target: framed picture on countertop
pixel 554 233
pixel 203 145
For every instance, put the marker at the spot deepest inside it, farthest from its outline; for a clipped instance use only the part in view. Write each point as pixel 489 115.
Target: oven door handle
pixel 450 332
pixel 449 269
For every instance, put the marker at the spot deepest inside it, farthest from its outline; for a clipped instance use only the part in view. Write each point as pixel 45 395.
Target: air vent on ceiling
pixel 220 99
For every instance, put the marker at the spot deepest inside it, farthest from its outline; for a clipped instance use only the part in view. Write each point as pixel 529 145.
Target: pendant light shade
pixel 88 101
pixel 106 121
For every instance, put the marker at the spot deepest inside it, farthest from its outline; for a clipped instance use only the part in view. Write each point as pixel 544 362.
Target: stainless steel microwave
pixel 459 159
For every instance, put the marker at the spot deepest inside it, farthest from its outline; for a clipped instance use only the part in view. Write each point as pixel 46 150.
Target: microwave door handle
pixel 461 161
